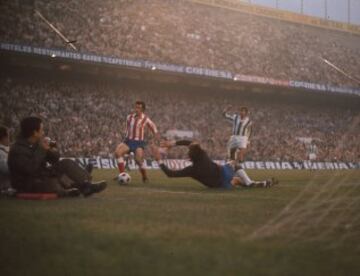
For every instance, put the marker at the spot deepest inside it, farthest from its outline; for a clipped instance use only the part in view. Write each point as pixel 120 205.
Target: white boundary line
pixel 219 193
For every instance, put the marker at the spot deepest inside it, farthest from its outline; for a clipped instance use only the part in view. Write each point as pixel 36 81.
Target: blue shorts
pixel 227 174
pixel 135 144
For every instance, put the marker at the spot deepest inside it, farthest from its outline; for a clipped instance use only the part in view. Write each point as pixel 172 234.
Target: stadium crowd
pixel 89 119
pixel 187 33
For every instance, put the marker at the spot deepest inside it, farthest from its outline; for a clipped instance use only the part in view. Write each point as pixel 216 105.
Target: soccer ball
pixel 124 178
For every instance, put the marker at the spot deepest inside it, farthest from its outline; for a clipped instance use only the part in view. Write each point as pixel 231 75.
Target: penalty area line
pixel 220 193
pixel 154 190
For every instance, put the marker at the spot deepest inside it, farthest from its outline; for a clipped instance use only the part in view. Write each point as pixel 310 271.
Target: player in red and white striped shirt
pixel 136 123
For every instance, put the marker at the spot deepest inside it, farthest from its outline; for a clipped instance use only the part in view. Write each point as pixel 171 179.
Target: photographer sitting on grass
pixel 35 165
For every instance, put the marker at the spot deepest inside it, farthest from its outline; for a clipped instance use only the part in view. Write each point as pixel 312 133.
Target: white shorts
pixel 238 142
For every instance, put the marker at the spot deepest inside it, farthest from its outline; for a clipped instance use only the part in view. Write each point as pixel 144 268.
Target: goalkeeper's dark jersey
pixel 203 170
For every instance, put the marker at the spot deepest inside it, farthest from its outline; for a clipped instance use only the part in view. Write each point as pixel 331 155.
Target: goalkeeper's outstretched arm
pixel 186 172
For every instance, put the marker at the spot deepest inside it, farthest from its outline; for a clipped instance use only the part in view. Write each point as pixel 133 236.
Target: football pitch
pixel 175 227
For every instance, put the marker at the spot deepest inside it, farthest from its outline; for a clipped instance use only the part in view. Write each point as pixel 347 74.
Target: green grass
pixel 167 227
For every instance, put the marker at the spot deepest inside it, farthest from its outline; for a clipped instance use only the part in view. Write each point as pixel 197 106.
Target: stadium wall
pixel 282 15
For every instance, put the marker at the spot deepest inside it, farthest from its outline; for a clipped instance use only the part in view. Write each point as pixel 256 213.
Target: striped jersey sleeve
pixel 230 117
pixel 151 125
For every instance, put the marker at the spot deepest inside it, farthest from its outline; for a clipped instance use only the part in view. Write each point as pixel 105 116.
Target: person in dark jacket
pixel 205 170
pixel 35 165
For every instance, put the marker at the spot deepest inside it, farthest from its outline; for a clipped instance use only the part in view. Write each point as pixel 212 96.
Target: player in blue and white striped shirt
pixel 239 140
pixel 241 132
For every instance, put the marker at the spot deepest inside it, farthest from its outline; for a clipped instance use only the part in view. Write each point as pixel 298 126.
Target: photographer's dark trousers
pixel 66 174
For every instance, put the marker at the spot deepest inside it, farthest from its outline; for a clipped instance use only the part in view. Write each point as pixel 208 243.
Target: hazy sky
pixel 336 9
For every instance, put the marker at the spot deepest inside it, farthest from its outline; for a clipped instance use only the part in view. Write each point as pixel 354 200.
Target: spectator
pixel 87 120
pixel 188 33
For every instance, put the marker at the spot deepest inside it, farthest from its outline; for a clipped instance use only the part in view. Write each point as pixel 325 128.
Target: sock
pixel 121 164
pixel 259 183
pixel 142 170
pixel 244 177
pixel 143 173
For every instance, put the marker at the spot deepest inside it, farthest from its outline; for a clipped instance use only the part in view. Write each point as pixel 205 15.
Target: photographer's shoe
pixel 91 188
